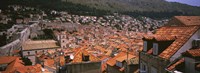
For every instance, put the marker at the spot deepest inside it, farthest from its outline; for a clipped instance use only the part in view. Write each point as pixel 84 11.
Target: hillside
pixel 149 8
pixel 139 5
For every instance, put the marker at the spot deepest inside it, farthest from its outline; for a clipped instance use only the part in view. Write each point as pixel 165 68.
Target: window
pixel 28 53
pixel 145 46
pixel 63 36
pixel 153 70
pixel 155 48
pixel 119 64
pixel 143 68
pixel 63 47
pixel 85 58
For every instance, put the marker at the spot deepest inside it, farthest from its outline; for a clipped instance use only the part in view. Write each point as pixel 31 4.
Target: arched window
pixel 28 53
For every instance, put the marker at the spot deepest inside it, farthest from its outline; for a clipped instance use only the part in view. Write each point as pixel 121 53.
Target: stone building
pixel 166 45
pixel 31 48
pixel 82 62
pixel 188 63
pixel 122 63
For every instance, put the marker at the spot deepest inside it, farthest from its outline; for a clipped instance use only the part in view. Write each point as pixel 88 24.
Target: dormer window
pixel 155 48
pixel 85 58
pixel 145 46
pixel 119 64
pixel 63 36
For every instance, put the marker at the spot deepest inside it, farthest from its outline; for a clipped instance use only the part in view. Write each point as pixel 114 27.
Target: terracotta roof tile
pixel 18 66
pixel 108 53
pixel 103 57
pixel 173 66
pixel 62 60
pixel 193 52
pixel 100 48
pixel 112 61
pixel 7 59
pixel 123 58
pixel 189 20
pixel 49 62
pixel 164 38
pixel 149 37
pixel 181 38
pixel 80 52
pixel 159 37
pixel 103 67
pixel 16 63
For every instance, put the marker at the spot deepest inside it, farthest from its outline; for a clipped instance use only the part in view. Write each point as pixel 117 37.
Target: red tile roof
pixel 164 38
pixel 184 20
pixel 62 60
pixel 103 67
pixel 182 33
pixel 123 58
pixel 17 66
pixel 82 51
pixel 159 37
pixel 7 59
pixel 30 69
pixel 100 48
pixel 149 37
pixel 112 61
pixel 49 62
pixel 103 57
pixel 189 20
pixel 13 65
pixel 173 66
pixel 193 52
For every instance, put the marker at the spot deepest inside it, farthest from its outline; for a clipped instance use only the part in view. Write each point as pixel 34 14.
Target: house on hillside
pixel 188 63
pixel 167 44
pixel 31 48
pixel 122 63
pixel 82 62
pixel 13 64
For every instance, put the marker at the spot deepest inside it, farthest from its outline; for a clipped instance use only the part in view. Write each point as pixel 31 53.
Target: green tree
pixel 26 61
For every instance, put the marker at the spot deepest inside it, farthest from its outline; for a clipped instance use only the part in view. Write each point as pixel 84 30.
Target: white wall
pixel 186 46
pixel 9 47
pixel 32 54
pixel 24 35
pixel 63 37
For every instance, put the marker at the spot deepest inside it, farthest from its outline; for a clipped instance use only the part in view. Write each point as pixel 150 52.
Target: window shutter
pixel 155 48
pixel 145 46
